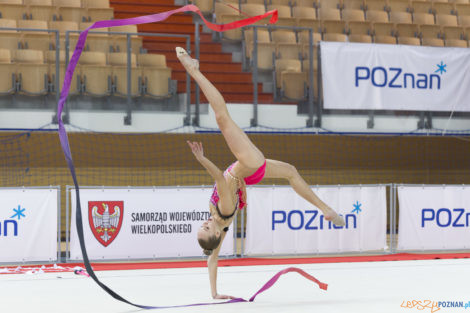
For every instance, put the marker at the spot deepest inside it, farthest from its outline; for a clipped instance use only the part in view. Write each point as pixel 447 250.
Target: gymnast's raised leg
pixel 249 157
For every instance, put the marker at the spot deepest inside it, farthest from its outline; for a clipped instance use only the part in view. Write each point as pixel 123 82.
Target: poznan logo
pixel 105 219
pixel 445 217
pixel 313 219
pixel 398 78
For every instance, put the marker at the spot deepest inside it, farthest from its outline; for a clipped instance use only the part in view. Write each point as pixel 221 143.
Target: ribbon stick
pixel 66 147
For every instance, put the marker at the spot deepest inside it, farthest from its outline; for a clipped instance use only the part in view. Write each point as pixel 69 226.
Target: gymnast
pixel 251 167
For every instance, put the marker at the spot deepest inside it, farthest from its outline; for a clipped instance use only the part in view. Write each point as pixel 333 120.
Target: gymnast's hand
pixel 217 296
pixel 196 148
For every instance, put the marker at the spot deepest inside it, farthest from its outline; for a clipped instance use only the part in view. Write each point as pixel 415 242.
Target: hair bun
pixel 207 251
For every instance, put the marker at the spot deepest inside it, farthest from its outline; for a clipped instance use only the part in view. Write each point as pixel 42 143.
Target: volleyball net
pixel 35 158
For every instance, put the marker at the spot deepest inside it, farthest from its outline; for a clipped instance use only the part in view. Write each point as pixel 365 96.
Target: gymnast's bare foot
pixel 335 218
pixel 191 65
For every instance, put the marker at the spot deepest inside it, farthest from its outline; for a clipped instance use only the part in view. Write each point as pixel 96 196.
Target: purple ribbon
pixel 68 155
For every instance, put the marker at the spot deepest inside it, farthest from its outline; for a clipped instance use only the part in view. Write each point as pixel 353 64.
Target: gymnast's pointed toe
pixel 338 221
pixel 180 51
pixel 334 217
pixel 191 65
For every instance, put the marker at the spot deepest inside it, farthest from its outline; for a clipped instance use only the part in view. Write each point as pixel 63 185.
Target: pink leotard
pixel 253 179
pixel 257 176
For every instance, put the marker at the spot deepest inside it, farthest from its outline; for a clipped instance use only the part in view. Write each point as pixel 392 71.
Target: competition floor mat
pixel 387 286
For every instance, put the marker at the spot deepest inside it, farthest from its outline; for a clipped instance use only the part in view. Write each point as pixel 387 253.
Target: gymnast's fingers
pixel 191 144
pixel 217 296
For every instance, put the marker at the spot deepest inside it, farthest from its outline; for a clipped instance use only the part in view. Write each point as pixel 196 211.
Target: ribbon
pixel 266 286
pixel 66 146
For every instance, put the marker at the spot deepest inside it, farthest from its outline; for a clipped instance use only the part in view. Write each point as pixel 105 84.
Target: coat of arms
pixel 105 218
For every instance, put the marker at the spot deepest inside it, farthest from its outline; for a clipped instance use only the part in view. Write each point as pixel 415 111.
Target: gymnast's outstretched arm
pixel 222 187
pixel 211 168
pixel 212 267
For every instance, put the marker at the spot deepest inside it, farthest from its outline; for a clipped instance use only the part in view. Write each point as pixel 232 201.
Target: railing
pixel 254 120
pixel 315 109
pixel 57 83
pixel 310 99
pixel 128 117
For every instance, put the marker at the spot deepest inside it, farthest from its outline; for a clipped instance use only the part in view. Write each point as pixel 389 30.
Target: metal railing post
pixel 318 121
pixel 66 118
pixel 67 57
pixel 390 212
pixel 242 235
pixel 59 227
pixel 394 208
pixel 370 120
pixel 197 90
pixel 67 223
pixel 128 117
pixel 235 232
pixel 187 119
pixel 310 77
pixel 254 120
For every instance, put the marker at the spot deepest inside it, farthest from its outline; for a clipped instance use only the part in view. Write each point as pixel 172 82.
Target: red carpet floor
pixel 69 267
pixel 276 261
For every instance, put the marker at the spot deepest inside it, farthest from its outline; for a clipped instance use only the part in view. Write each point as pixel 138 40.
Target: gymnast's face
pixel 208 229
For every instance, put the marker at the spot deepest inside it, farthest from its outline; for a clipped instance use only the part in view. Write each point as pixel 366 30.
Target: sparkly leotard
pixel 253 179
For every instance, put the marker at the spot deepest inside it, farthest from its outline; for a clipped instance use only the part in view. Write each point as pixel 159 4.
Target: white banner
pixel 394 77
pixel 434 217
pixel 281 222
pixel 28 225
pixel 142 223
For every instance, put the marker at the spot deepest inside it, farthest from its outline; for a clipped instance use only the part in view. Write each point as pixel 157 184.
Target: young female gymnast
pixel 230 186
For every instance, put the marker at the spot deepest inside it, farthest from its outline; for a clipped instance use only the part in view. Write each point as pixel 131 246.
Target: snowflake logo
pixel 19 213
pixel 357 207
pixel 441 68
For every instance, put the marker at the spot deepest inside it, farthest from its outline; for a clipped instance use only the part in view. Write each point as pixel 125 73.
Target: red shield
pixel 105 219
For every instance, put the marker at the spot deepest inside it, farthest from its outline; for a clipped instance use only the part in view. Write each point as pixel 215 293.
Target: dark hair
pixel 210 244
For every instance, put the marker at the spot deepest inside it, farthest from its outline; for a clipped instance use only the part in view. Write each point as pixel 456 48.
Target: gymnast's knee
pixel 291 170
pixel 222 119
